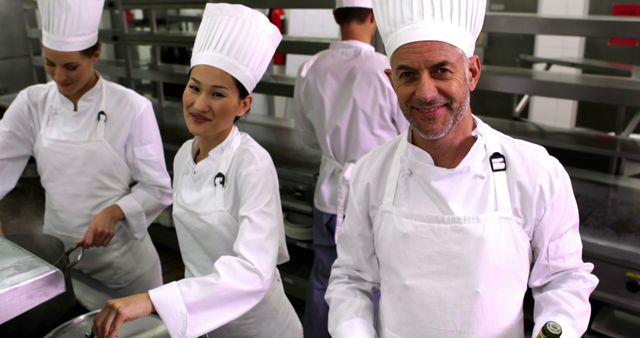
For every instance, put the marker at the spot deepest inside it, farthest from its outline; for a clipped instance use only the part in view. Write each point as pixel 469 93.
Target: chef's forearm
pixel 115 213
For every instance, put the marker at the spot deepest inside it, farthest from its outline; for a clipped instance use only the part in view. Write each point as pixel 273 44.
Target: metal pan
pixel 80 327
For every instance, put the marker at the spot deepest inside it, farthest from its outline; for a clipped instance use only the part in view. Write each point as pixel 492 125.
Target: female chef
pixel 98 152
pixel 226 201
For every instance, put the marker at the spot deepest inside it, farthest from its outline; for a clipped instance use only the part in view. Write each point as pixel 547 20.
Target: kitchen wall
pixel 15 67
pixel 552 111
pixel 600 116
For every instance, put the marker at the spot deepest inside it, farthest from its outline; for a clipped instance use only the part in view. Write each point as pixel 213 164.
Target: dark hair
pixel 346 15
pixel 243 95
pixel 89 52
pixel 242 91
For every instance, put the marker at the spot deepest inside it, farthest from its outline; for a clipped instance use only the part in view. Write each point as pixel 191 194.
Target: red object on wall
pixel 129 17
pixel 276 16
pixel 624 10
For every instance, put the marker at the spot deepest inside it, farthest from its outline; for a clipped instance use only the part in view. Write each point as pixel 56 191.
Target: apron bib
pixel 466 275
pixel 207 231
pixel 80 179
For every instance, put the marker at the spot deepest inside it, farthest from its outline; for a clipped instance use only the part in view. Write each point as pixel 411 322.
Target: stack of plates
pixel 298 226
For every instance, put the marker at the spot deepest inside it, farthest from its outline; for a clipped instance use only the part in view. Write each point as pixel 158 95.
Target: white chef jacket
pixel 543 203
pixel 344 106
pixel 132 131
pixel 220 289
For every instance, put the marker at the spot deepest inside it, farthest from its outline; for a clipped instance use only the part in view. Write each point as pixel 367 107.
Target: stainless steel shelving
pixel 299 164
pixel 619 91
pixel 588 26
pixel 289 44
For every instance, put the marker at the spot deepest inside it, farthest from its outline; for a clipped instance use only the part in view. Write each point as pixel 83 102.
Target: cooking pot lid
pixel 147 327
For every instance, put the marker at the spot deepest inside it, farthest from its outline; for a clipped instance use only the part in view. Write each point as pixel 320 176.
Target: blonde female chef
pixel 98 152
pixel 226 201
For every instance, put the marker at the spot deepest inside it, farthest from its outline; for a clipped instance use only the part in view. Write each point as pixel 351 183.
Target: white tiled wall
pixel 558 112
pixel 315 23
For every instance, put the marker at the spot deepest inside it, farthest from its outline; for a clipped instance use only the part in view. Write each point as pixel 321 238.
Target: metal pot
pixel 80 327
pixel 46 316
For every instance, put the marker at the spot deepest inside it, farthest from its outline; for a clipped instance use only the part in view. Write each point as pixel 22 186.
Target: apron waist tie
pixel 344 178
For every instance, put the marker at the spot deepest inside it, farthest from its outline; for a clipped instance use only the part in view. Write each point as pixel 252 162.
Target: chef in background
pixel 98 152
pixel 344 106
pixel 453 220
pixel 226 207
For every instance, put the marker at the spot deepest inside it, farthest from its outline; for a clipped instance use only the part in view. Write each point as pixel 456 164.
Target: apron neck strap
pixel 394 171
pixel 498 164
pixel 220 179
pixel 102 116
pixel 51 95
pixel 496 159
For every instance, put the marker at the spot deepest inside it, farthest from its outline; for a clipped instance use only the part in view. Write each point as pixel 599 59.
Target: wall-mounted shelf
pixel 582 87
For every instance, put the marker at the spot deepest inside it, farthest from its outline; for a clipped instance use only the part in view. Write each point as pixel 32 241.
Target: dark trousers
pixel 324 247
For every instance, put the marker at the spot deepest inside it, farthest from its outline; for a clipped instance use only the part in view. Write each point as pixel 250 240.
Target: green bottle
pixel 550 330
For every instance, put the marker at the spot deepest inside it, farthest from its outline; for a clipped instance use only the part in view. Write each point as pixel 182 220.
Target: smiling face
pixel 433 81
pixel 211 101
pixel 73 72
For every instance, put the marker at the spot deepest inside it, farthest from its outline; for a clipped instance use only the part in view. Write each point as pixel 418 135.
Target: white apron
pixel 80 179
pixel 344 178
pixel 206 231
pixel 466 275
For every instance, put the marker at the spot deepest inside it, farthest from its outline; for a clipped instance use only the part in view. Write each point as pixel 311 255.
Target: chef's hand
pixel 118 311
pixel 102 228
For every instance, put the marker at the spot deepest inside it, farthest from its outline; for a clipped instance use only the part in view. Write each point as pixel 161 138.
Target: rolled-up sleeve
pixel 561 282
pixel 355 274
pixel 151 192
pixel 18 132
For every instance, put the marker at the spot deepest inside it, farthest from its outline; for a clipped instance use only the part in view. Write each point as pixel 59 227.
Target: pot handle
pixel 78 259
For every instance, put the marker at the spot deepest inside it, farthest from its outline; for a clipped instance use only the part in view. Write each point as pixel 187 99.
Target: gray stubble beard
pixel 456 117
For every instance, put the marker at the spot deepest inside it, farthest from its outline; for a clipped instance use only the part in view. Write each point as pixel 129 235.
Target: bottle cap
pixel 553 328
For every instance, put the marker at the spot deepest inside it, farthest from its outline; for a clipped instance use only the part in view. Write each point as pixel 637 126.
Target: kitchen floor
pixel 22 209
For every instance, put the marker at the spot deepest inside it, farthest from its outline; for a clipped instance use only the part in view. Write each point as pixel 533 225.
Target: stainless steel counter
pixel 609 221
pixel 25 280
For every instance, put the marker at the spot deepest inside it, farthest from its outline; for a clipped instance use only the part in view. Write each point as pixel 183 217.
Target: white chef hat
pixel 237 39
pixel 457 22
pixel 353 3
pixel 70 25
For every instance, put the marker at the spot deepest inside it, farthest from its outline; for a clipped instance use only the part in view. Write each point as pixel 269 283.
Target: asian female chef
pixel 226 201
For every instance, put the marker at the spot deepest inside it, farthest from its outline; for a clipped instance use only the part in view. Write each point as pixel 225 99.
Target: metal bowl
pixel 80 327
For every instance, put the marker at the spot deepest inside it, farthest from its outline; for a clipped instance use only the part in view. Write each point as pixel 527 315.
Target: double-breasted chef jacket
pixel 230 229
pixel 454 250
